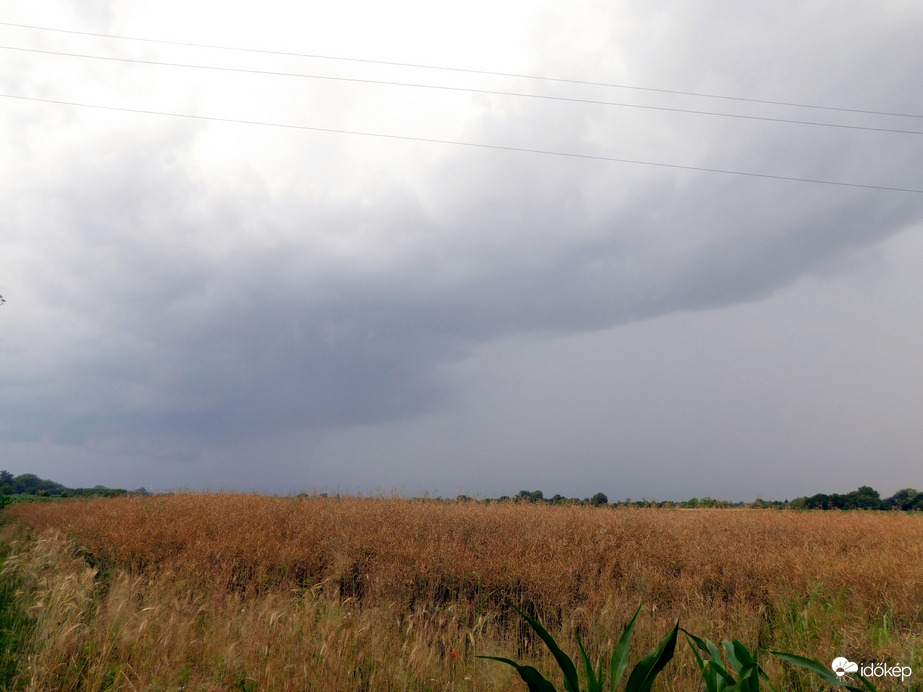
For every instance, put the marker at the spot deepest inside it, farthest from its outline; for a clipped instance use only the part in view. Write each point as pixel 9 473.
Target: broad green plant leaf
pixel 810 664
pixel 716 677
pixel 529 675
pixel 571 682
pixel 620 656
pixel 714 650
pixel 823 671
pixel 746 664
pixel 697 641
pixel 743 655
pixel 594 684
pixel 732 656
pixel 649 667
pixel 723 677
pixel 752 659
pixel 749 680
pixel 713 681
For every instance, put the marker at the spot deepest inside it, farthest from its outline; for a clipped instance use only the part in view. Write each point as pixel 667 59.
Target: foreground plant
pixel 642 675
pixel 715 672
pixel 824 672
pixel 718 675
pixel 718 668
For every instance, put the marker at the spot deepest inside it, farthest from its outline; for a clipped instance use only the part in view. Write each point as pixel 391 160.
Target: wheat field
pixel 243 591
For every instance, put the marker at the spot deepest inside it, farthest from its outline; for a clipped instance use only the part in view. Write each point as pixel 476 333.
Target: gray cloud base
pixel 163 302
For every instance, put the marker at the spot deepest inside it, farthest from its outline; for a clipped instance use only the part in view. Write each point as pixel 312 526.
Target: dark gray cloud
pixel 175 295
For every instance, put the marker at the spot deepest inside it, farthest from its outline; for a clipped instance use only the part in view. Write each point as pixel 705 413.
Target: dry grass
pixel 228 591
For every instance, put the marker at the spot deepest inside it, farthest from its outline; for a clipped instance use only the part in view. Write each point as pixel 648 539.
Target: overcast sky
pixel 347 304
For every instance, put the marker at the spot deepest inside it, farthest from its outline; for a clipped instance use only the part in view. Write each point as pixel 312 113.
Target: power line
pixel 462 89
pixel 496 147
pixel 424 66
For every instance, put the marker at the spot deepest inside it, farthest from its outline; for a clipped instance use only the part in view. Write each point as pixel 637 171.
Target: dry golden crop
pixel 388 593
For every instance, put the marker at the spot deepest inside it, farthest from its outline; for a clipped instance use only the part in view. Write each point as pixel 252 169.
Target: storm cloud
pixel 186 290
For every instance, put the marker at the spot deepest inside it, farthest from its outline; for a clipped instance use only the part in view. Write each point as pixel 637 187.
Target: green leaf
pixel 868 685
pixel 750 670
pixel 529 675
pixel 810 664
pixel 744 684
pixel 743 655
pixel 766 679
pixel 649 667
pixel 735 662
pixel 620 656
pixel 692 644
pixel 571 682
pixel 712 668
pixel 823 671
pixel 719 669
pixel 714 651
pixel 698 641
pixel 594 684
pixel 749 680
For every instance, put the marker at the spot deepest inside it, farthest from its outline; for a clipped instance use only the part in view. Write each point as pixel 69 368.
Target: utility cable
pixel 423 66
pixel 496 147
pixel 464 89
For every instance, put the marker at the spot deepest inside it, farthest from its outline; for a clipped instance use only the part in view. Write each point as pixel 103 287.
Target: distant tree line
pixel 535 496
pixel 907 499
pixel 865 497
pixel 600 499
pixel 30 486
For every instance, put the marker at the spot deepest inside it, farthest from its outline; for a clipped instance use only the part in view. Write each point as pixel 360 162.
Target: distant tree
pixel 837 501
pixel 30 484
pixel 904 499
pixel 599 499
pixel 531 496
pixel 26 483
pixel 818 501
pixel 6 483
pixel 864 498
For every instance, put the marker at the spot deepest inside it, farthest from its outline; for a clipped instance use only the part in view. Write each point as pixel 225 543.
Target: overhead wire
pixel 462 89
pixel 431 140
pixel 424 66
